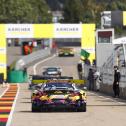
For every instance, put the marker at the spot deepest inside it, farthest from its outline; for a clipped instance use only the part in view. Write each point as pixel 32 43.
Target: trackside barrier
pixel 108 78
pixel 19 75
pixel 107 75
pixel 41 54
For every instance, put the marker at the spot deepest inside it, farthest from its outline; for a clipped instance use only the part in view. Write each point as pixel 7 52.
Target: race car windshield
pixel 51 69
pixel 59 85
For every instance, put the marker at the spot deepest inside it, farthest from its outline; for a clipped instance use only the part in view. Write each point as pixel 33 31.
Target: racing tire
pixel 83 108
pixel 35 108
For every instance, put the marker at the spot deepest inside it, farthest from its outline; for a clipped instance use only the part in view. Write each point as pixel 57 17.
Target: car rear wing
pixel 73 81
pixel 39 77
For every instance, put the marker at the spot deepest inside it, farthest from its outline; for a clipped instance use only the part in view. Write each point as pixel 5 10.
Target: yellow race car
pixel 58 94
pixel 65 52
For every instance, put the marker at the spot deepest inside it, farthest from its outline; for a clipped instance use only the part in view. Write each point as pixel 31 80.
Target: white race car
pixel 52 71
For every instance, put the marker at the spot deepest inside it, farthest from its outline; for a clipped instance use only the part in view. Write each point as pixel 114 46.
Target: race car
pixel 58 94
pixel 66 52
pixel 52 71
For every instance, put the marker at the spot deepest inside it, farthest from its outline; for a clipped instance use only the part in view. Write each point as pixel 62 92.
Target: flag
pixel 84 53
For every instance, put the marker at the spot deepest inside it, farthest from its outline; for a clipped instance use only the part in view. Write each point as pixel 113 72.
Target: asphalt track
pixel 101 110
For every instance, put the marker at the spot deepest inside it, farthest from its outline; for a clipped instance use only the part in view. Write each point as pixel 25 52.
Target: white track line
pixel 107 98
pixel 35 66
pixel 4 91
pixel 13 107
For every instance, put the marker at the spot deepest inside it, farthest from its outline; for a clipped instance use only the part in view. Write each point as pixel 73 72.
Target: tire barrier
pixel 17 76
pixel 26 60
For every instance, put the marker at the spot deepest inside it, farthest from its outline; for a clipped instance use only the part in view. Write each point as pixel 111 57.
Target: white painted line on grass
pixel 13 107
pixel 35 66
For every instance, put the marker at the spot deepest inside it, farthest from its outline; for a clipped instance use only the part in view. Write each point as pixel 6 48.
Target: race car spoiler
pixel 75 81
pixel 39 77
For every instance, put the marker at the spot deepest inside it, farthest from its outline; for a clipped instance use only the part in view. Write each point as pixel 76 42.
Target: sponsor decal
pixel 59 81
pixel 2 50
pixel 68 31
pixel 2 65
pixel 19 30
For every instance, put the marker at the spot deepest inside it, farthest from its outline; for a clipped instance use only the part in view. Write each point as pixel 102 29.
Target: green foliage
pixel 24 11
pixel 116 5
pixel 38 11
pixel 118 30
pixel 88 11
pixel 73 11
pixel 41 11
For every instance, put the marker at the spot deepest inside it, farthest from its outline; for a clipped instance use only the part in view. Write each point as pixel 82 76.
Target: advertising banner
pixel 124 18
pixel 84 31
pixel 3 55
pixel 68 30
pixel 43 31
pixel 19 30
pixel 88 40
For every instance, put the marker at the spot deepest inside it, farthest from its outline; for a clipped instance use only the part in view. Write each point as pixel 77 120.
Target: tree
pixel 14 10
pixel 73 11
pixel 92 10
pixel 24 11
pixel 41 11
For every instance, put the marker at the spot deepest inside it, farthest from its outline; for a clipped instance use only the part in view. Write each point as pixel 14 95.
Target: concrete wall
pixel 108 89
pixel 107 82
pixel 13 54
pixel 103 51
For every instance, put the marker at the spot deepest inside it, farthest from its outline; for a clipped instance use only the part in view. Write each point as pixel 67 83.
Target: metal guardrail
pixel 41 54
